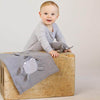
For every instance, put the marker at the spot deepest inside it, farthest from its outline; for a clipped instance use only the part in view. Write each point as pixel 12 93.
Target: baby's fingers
pixel 56 55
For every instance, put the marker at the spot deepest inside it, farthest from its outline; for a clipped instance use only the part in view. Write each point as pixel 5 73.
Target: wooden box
pixel 58 84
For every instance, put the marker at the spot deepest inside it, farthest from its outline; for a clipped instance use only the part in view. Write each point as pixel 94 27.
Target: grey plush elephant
pixel 59 46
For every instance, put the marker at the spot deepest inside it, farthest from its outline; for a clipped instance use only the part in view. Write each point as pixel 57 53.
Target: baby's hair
pixel 47 3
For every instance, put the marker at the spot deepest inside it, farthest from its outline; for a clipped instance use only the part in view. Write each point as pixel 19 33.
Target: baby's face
pixel 49 14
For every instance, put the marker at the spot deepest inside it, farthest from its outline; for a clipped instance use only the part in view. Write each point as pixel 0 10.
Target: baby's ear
pixel 39 13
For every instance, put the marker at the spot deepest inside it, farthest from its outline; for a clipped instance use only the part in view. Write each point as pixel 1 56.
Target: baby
pixel 47 30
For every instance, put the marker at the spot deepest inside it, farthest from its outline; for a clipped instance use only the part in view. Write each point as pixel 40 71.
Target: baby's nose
pixel 49 15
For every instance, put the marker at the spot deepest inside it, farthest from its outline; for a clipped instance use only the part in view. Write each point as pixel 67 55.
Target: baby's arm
pixel 45 44
pixel 60 38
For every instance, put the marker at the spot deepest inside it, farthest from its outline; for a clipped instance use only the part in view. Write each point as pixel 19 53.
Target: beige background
pixel 79 22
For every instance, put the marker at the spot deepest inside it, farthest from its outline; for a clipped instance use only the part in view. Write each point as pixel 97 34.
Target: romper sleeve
pixel 43 40
pixel 59 37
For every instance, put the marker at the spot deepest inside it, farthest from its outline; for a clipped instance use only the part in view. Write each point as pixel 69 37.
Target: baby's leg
pixel 36 47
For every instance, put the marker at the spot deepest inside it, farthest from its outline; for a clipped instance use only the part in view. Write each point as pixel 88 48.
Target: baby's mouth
pixel 49 20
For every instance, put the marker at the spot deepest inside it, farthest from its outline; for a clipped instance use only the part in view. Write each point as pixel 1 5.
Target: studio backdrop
pixel 79 22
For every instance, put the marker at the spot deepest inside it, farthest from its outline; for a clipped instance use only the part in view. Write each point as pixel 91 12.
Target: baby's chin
pixel 48 23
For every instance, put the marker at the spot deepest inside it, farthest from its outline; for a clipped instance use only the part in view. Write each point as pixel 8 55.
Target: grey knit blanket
pixel 43 63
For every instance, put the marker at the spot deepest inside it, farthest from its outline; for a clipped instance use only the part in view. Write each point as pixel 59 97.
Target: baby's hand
pixel 54 53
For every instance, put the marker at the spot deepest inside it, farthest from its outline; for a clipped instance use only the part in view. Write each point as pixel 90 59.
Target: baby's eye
pixel 52 14
pixel 45 13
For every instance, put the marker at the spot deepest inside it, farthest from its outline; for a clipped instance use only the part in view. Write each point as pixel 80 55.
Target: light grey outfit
pixel 46 66
pixel 42 37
